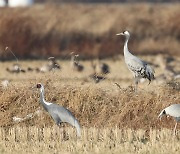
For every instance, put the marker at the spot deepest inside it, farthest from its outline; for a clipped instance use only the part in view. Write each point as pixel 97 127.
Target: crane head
pixel 163 112
pixel 126 33
pixel 39 85
pixel 51 59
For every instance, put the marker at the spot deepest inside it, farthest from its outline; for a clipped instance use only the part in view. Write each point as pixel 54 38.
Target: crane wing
pixel 137 66
pixel 56 118
pixel 66 116
pixel 140 68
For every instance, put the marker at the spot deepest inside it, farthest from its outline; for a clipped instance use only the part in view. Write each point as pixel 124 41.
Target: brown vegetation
pixel 113 140
pixel 95 105
pixel 57 30
pixel 113 118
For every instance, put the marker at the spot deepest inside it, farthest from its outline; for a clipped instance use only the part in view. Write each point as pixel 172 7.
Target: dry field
pixel 57 30
pixel 20 140
pixel 113 119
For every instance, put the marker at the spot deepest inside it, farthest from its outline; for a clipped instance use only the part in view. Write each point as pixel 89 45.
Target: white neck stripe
pixel 42 97
pixel 47 103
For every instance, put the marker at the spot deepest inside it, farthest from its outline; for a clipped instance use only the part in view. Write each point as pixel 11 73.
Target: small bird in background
pixel 100 68
pixel 139 68
pixel 16 68
pixel 75 65
pixel 99 71
pixel 51 65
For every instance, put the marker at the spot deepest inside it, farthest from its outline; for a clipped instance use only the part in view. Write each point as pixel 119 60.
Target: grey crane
pixel 58 113
pixel 98 74
pixel 75 65
pixel 138 67
pixel 174 111
pixel 96 78
pixel 51 65
pixel 100 67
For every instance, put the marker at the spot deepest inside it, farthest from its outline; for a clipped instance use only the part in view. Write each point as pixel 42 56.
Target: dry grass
pixel 94 107
pixel 45 30
pixel 93 140
pixel 98 105
pixel 113 120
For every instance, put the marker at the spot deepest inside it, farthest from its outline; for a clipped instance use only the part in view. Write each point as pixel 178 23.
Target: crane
pixel 172 110
pixel 100 67
pixel 138 67
pixel 57 112
pixel 75 65
pixel 51 65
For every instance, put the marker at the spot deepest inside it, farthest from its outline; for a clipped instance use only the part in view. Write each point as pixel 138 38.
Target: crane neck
pixel 42 99
pixel 126 51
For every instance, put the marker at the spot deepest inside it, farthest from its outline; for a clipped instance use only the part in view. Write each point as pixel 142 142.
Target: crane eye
pixel 164 112
pixel 38 85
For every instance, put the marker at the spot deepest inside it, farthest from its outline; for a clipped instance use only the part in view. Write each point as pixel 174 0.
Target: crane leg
pixel 174 132
pixel 136 84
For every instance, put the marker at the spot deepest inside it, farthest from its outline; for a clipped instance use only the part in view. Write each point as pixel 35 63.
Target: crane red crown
pixel 38 85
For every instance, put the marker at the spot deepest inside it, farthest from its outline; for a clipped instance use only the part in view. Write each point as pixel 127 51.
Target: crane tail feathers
pixel 78 128
pixel 150 73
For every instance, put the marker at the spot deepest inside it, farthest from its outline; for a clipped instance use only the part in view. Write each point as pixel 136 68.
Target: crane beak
pixel 120 34
pixel 163 112
pixel 72 53
pixel 50 58
pixel 160 116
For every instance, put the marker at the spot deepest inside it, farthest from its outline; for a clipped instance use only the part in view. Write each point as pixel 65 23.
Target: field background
pixel 113 119
pixel 57 30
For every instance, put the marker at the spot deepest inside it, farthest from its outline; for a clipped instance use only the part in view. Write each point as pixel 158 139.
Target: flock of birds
pixel 100 69
pixel 139 68
pixel 51 65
